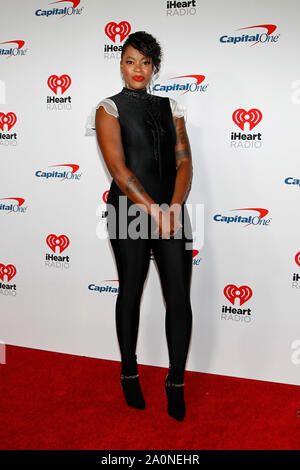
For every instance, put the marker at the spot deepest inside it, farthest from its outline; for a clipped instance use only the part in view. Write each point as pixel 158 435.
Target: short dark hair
pixel 147 45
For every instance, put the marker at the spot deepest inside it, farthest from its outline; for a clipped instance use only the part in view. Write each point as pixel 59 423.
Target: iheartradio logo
pixel 252 117
pixel 59 102
pixel 297 258
pixel 235 313
pixel 63 82
pixel 7 272
pixel 233 292
pixel 8 120
pixel 113 29
pixel 246 119
pixel 57 243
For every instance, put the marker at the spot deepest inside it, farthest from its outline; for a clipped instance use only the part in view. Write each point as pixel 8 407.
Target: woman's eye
pixel 146 62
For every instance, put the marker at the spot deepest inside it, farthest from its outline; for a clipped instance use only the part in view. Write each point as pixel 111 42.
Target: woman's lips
pixel 138 78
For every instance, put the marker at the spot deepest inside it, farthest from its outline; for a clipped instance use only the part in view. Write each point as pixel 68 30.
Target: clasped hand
pixel 168 221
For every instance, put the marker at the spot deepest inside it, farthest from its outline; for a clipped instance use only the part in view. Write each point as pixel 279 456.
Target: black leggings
pixel 174 263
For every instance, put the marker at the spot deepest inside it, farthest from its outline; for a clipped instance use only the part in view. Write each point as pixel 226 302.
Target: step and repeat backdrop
pixel 234 66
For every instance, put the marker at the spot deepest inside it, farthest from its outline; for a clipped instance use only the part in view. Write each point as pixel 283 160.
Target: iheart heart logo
pixel 62 241
pixel 64 81
pixel 241 116
pixel 297 258
pixel 9 119
pixel 233 292
pixel 9 271
pixel 112 29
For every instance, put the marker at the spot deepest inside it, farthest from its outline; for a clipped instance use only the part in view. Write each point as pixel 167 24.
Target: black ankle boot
pixel 132 391
pixel 131 385
pixel 176 403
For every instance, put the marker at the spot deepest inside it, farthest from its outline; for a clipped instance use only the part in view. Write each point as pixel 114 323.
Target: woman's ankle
pixel 176 374
pixel 129 367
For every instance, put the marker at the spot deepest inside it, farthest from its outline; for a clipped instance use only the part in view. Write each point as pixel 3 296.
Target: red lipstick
pixel 138 78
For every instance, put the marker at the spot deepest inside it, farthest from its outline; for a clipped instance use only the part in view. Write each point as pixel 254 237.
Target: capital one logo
pixel 258 37
pixel 14 207
pixel 9 119
pixel 63 82
pixel 70 174
pixel 297 258
pixel 232 292
pixel 252 117
pixel 63 10
pixel 13 51
pixel 122 29
pixel 7 272
pixel 61 242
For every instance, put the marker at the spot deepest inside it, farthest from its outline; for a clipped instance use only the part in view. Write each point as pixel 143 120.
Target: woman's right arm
pixel 110 142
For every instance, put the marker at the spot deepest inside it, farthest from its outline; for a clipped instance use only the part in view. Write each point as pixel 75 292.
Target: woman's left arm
pixel 183 162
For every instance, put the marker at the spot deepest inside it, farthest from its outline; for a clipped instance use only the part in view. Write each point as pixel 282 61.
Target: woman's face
pixel 136 68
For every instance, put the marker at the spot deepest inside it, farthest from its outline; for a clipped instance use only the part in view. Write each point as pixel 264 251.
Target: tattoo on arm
pixel 184 150
pixel 134 186
pixel 182 154
pixel 181 136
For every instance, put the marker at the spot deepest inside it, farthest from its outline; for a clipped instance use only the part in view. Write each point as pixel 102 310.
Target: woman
pixel 145 146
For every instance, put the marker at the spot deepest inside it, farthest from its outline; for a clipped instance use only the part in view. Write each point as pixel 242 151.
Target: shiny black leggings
pixel 174 264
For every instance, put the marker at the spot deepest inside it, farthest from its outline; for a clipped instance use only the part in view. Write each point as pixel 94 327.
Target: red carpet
pixel 59 401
